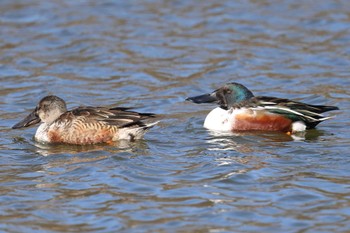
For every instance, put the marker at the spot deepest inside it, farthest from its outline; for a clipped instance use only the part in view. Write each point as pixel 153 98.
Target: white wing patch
pixel 298 126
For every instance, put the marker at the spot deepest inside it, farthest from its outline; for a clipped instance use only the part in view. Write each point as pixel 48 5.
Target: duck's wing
pixel 294 110
pixel 119 117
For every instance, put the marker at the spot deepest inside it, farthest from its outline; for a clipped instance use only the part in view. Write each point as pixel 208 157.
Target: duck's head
pixel 226 96
pixel 48 110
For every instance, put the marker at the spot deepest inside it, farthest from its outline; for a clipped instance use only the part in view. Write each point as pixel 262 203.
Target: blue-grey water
pixel 151 55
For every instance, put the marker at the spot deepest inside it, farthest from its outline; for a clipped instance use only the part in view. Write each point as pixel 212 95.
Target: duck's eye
pixel 37 109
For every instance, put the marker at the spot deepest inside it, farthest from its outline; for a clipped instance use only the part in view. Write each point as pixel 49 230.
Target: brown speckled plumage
pixel 84 125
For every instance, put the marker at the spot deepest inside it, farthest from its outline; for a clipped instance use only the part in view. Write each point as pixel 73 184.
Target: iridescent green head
pixel 226 96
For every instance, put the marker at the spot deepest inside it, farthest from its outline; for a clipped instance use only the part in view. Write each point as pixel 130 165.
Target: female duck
pixel 84 125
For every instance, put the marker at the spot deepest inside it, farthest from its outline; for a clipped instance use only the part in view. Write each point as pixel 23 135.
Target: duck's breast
pixel 41 134
pixel 219 120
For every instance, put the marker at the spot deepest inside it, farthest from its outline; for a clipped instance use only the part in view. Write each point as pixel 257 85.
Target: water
pixel 151 55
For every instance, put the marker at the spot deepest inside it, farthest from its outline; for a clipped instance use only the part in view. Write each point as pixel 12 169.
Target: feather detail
pixel 118 117
pixel 311 115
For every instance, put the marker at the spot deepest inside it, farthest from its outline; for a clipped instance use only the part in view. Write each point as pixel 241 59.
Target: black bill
pixel 31 119
pixel 206 98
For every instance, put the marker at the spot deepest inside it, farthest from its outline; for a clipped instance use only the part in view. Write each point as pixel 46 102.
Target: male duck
pixel 240 110
pixel 84 125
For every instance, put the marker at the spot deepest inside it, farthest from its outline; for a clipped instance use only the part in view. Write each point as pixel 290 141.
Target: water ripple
pixel 151 55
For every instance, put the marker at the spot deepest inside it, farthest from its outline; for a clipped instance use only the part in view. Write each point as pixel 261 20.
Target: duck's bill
pixel 31 119
pixel 206 98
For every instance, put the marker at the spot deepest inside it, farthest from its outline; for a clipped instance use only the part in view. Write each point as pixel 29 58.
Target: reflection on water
pixel 240 141
pixel 150 55
pixel 115 147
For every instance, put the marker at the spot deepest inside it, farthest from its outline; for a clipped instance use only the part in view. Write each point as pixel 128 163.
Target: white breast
pixel 41 133
pixel 219 119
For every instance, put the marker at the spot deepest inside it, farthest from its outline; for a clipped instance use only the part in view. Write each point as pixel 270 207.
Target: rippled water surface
pixel 151 55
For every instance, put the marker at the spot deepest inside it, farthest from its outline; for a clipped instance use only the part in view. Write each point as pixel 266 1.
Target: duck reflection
pixel 48 149
pixel 245 142
pixel 119 146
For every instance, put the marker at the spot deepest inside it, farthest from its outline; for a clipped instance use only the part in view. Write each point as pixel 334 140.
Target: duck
pixel 240 110
pixel 84 125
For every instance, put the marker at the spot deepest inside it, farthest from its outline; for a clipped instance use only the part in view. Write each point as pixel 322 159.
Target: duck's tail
pixel 311 115
pixel 136 132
